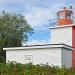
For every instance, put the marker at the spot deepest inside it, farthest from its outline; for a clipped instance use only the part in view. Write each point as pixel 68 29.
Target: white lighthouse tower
pixel 65 31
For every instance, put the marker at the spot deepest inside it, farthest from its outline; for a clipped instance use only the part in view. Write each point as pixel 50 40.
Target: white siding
pixel 39 56
pixel 66 57
pixel 61 35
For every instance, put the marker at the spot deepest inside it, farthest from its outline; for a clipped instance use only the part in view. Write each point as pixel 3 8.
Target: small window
pixel 28 58
pixel 61 15
pixel 68 15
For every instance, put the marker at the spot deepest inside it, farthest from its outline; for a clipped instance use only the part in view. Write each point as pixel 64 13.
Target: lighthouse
pixel 61 49
pixel 64 32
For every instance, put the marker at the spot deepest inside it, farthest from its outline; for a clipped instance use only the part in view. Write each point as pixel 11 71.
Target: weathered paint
pixel 64 17
pixel 64 21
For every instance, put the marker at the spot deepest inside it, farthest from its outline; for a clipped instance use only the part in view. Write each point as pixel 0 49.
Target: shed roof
pixel 43 46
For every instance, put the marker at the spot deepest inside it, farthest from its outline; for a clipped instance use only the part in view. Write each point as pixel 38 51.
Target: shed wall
pixel 37 56
pixel 66 57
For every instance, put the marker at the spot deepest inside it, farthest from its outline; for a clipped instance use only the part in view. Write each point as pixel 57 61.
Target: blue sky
pixel 38 13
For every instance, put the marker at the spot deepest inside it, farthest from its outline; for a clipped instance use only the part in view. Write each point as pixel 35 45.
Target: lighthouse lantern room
pixel 65 16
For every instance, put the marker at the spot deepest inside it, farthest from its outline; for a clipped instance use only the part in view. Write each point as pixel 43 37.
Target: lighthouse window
pixel 68 15
pixel 61 17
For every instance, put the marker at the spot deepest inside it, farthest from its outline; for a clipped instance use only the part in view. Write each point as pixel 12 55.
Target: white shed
pixel 53 54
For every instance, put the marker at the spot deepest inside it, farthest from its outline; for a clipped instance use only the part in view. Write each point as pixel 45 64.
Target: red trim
pixel 73 45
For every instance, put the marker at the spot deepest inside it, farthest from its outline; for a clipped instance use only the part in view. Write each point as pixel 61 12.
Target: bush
pixel 14 68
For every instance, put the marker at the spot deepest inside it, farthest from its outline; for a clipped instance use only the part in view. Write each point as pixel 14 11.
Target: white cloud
pixel 39 16
pixel 37 12
pixel 2 1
